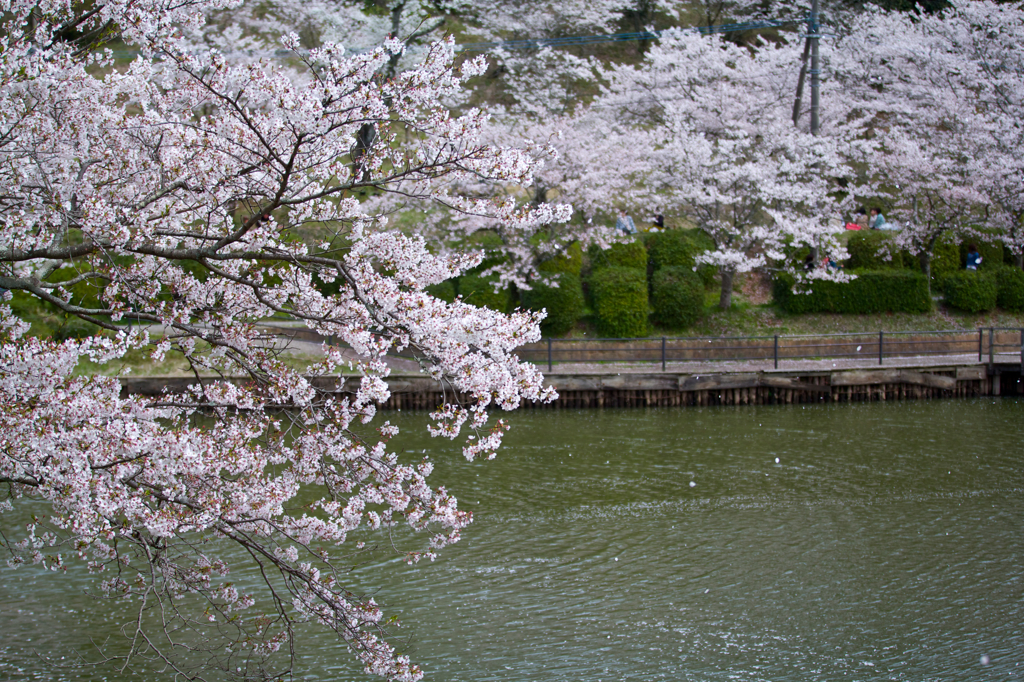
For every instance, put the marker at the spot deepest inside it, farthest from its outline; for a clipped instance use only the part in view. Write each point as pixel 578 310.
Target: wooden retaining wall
pixel 753 388
pixel 415 392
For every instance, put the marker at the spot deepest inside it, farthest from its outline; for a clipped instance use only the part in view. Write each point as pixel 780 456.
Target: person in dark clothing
pixel 973 257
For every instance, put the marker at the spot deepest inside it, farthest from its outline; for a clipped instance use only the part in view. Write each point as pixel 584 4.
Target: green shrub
pixel 74 328
pixel 564 303
pixel 446 290
pixel 971 291
pixel 571 261
pixel 678 297
pixel 671 248
pixel 620 302
pixel 945 259
pixel 1010 284
pixel 704 243
pixel 680 248
pixel 479 291
pixel 701 238
pixel 874 291
pixel 619 255
pixel 866 251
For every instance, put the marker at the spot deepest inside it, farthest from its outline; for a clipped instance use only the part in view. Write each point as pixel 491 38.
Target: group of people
pixel 876 221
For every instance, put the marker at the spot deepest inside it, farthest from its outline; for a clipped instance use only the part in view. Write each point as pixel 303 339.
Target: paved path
pixel 303 344
pixel 787 366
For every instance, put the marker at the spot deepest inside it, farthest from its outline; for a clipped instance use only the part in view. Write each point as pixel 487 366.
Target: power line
pixel 537 43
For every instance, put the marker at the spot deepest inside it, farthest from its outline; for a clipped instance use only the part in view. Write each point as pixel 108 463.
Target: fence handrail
pixel 657 339
pixel 778 347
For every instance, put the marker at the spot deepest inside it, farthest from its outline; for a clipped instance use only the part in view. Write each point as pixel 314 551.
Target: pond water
pixel 878 541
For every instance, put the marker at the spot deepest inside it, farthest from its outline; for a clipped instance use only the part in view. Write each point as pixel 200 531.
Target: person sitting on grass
pixel 624 223
pixel 878 220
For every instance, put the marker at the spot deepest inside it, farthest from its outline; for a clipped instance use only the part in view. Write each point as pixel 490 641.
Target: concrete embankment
pixel 812 383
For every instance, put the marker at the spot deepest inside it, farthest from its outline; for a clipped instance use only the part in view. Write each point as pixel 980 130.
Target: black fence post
pixel 981 343
pixel 775 352
pixel 663 351
pixel 991 347
pixel 881 342
pixel 549 353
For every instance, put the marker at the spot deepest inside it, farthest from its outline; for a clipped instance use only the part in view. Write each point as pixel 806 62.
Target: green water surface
pixel 832 542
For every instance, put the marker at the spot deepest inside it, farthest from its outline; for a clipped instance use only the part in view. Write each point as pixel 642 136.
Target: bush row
pixel 973 291
pixel 871 250
pixel 653 278
pixel 680 248
pixel 982 290
pixel 677 296
pixel 1010 285
pixel 663 263
pixel 564 303
pixel 620 301
pixel 873 291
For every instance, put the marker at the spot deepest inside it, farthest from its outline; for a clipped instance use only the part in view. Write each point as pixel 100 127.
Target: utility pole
pixel 810 50
pixel 814 36
pixel 811 42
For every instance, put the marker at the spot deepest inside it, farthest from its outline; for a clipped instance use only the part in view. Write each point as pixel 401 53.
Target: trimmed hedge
pixel 671 248
pixel 680 248
pixel 619 255
pixel 864 248
pixel 479 291
pixel 678 297
pixel 571 261
pixel 620 302
pixel 1010 283
pixel 874 291
pixel 564 303
pixel 971 291
pixel 945 260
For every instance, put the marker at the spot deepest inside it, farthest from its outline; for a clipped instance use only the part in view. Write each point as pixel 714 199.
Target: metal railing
pixel 991 344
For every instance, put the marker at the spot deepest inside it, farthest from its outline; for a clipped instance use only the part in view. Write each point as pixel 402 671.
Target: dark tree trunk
pixel 725 299
pixel 925 258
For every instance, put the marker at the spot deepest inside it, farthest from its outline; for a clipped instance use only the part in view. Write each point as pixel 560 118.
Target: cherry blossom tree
pixel 199 196
pixel 990 36
pixel 944 103
pixel 570 147
pixel 714 135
